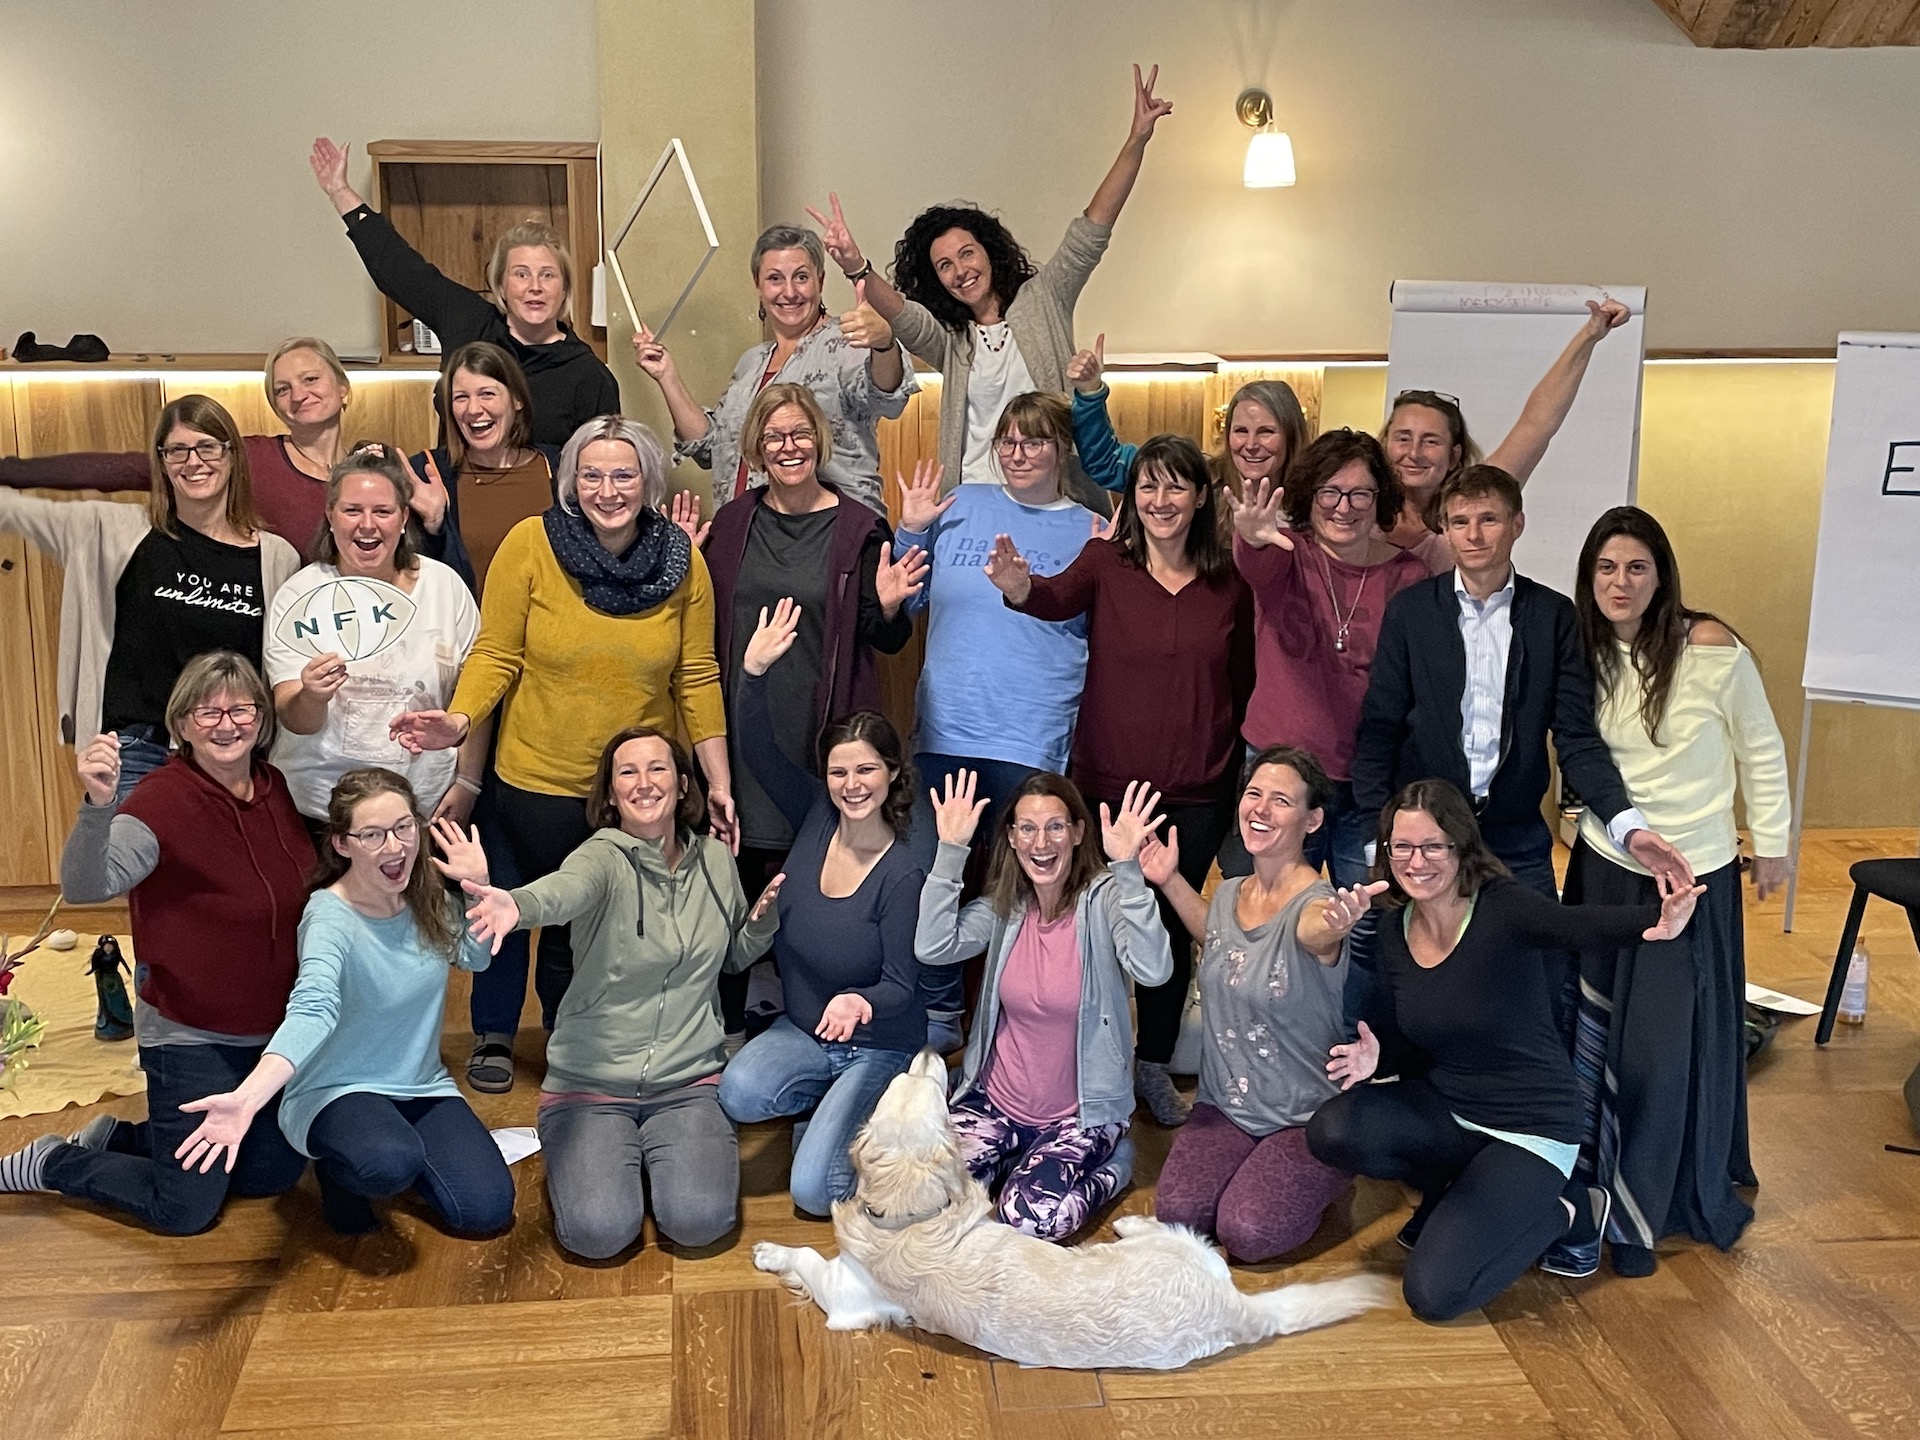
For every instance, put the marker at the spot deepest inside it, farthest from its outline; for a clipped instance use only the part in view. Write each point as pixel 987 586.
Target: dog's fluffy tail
pixel 1293 1308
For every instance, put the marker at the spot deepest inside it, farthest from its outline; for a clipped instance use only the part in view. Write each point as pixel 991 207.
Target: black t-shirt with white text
pixel 180 596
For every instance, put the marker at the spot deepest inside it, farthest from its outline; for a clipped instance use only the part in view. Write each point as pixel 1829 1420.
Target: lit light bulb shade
pixel 1269 161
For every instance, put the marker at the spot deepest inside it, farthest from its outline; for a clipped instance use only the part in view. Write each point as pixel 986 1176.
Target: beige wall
pixel 1767 199
pixel 154 186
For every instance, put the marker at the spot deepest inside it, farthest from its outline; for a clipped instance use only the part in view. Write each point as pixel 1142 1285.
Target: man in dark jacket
pixel 1474 669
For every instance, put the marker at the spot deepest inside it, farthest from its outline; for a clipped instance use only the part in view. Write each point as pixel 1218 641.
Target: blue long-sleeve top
pixel 825 947
pixel 1103 455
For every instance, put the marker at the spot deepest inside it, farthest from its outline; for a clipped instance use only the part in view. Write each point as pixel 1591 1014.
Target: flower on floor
pixel 20 1032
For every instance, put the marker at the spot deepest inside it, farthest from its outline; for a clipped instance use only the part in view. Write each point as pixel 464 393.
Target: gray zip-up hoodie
pixel 642 1015
pixel 1117 923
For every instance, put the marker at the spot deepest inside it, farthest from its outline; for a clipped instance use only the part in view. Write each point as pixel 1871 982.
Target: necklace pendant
pixel 1340 643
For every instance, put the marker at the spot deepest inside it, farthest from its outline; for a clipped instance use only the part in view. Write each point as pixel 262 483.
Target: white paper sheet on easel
pixel 517 1142
pixel 1489 344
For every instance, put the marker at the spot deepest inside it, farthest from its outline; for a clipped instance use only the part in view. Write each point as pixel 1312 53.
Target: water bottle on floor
pixel 1853 999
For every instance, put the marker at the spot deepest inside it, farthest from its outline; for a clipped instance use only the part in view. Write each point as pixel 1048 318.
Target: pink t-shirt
pixel 1034 1071
pixel 1307 691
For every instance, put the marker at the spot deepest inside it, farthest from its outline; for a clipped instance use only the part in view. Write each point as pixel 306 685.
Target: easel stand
pixel 1833 697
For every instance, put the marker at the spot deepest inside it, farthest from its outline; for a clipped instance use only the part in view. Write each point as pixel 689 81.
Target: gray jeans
pixel 602 1158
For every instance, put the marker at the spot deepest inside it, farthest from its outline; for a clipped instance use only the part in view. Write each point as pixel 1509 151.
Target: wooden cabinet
pixel 450 199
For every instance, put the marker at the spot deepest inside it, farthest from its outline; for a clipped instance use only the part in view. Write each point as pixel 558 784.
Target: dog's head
pixel 906 1158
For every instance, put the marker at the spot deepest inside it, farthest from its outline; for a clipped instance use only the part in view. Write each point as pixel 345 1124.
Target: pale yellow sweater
pixel 1718 728
pixel 572 677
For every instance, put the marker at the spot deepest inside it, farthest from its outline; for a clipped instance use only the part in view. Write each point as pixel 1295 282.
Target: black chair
pixel 1895 880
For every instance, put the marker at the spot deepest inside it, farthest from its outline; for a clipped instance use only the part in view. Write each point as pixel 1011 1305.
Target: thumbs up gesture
pixel 863 326
pixel 1084 369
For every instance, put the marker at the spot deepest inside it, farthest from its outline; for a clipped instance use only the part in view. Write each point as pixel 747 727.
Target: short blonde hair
pixel 534 233
pixel 647 451
pixel 305 342
pixel 761 410
pixel 204 677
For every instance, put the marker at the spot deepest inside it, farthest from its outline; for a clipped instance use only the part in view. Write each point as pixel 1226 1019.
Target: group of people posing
pixel 656 739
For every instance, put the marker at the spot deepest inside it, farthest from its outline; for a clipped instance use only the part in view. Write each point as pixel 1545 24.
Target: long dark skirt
pixel 1671 1117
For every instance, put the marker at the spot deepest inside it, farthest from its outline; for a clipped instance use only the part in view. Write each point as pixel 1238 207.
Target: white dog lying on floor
pixel 918 1246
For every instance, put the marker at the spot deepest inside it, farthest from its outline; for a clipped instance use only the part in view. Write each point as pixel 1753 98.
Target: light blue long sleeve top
pixel 365 1013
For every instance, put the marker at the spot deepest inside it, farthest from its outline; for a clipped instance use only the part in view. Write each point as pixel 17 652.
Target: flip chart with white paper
pixel 1489 344
pixel 1863 635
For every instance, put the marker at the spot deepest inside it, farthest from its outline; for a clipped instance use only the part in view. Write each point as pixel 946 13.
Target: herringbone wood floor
pixel 271 1326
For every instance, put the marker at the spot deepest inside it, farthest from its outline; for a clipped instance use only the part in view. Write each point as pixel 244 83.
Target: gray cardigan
pixel 1041 317
pixel 1117 922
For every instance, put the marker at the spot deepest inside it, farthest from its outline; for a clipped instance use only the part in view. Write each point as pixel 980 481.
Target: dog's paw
pixel 1129 1226
pixel 772 1258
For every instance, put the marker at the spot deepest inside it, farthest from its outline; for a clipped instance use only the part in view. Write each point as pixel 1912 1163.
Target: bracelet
pixel 866 269
pixel 465 784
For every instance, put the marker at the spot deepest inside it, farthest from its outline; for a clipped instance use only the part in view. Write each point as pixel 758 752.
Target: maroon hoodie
pixel 215 924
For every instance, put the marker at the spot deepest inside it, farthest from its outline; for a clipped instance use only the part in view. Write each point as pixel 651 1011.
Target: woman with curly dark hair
pixel 970 301
pixel 1321 571
pixel 1169 669
pixel 849 900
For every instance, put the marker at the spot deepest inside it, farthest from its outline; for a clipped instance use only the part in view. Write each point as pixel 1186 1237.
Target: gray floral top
pixel 1270 1011
pixel 838 375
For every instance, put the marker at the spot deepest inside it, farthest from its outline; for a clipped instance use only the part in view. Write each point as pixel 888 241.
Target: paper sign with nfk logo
pixel 351 617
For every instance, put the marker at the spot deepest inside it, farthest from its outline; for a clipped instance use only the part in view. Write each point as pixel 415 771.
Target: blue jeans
pixel 370 1146
pixel 143 750
pixel 137 1173
pixel 785 1071
pixel 499 991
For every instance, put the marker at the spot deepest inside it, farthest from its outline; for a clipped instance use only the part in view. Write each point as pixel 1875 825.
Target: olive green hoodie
pixel 642 1015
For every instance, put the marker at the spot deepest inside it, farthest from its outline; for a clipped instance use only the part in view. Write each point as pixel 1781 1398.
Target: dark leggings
pixel 1499 1208
pixel 543 830
pixel 368 1146
pixel 1201 827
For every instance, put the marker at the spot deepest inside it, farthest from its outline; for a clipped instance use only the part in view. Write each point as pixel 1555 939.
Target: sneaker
pixel 1154 1086
pixel 1576 1254
pixel 1409 1235
pixel 95 1134
pixel 490 1067
pixel 24 1171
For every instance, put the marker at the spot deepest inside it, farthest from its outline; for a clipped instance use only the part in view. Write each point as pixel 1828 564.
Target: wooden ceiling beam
pixel 1795 24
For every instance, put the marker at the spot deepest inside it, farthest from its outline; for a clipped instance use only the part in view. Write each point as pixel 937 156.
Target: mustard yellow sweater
pixel 1718 730
pixel 570 677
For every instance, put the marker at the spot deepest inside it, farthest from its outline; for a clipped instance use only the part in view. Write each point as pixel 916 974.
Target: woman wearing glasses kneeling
pixel 597 615
pixel 1486 1118
pixel 148 587
pixel 356 1063
pixel 214 861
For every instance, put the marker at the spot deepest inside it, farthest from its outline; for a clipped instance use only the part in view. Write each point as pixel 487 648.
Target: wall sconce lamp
pixel 1269 152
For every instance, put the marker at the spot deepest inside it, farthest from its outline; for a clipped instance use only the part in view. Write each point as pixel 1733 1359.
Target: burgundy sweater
pixel 215 924
pixel 1168 676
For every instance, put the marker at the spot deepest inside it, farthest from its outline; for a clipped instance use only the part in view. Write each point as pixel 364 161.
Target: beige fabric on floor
pixel 69 1067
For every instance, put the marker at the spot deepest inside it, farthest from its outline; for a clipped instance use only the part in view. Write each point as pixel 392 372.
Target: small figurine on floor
pixel 113 1020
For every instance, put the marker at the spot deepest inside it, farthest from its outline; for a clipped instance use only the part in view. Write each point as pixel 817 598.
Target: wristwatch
pixel 866 269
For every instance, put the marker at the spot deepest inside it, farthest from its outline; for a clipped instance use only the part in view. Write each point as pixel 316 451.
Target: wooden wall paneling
pixel 914 437
pixel 59 785
pixel 583 238
pixel 1308 382
pixel 395 408
pixel 23 849
pixel 243 397
pixel 53 414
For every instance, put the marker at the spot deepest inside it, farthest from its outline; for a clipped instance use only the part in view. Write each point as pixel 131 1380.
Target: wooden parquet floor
pixel 271 1326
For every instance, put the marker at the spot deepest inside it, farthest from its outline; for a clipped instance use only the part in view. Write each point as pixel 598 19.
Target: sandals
pixel 490 1067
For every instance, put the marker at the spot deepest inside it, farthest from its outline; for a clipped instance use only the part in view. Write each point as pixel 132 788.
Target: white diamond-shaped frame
pixel 675 153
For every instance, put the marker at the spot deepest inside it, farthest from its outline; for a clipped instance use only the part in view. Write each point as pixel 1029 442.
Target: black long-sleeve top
pixel 1483 1020
pixel 569 384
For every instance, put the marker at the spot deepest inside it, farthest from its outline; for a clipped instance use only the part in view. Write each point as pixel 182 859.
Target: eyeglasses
pixel 618 479
pixel 374 837
pixel 208 450
pixel 780 440
pixel 208 716
pixel 1328 497
pixel 1026 832
pixel 1433 850
pixel 1019 445
pixel 1423 397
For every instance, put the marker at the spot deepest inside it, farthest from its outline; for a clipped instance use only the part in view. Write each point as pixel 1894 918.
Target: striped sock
pixel 23 1172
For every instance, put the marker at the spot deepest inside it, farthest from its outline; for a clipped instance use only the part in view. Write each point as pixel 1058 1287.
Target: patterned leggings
pixel 1051 1177
pixel 1259 1196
